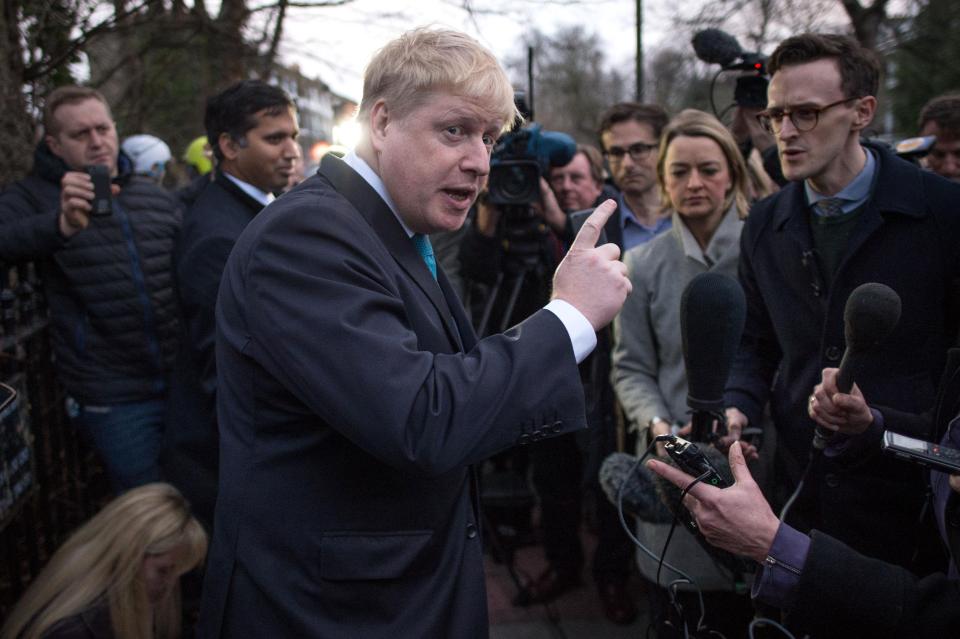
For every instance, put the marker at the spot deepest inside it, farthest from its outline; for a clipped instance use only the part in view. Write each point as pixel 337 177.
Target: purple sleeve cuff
pixel 779 574
pixel 856 444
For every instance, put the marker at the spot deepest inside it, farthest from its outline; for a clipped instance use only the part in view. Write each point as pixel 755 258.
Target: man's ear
pixel 229 147
pixel 53 144
pixel 379 120
pixel 866 108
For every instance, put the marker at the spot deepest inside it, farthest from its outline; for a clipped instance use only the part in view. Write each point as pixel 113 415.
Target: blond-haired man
pixel 353 394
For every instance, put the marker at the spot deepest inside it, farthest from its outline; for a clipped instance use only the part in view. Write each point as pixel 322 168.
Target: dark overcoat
pixel 907 237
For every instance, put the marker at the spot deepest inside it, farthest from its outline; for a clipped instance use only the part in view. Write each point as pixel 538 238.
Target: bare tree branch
pixel 271 55
pixel 302 4
pixel 33 72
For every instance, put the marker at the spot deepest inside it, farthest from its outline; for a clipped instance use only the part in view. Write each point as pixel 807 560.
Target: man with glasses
pixel 630 136
pixel 853 213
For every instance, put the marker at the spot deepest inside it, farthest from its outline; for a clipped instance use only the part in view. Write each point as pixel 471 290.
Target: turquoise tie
pixel 425 249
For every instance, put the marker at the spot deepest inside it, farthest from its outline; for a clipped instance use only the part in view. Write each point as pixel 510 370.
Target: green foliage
pixel 925 63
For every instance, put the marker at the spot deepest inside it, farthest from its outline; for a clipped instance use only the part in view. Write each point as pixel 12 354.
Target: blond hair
pixel 408 69
pixel 694 123
pixel 103 559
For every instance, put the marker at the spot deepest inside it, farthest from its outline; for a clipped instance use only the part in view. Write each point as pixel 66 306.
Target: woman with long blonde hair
pixel 704 184
pixel 118 574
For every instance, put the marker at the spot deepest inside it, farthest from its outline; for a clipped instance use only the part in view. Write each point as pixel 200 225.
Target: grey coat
pixel 648 371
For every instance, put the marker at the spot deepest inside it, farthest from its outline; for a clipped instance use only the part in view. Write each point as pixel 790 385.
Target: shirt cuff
pixel 582 336
pixel 777 580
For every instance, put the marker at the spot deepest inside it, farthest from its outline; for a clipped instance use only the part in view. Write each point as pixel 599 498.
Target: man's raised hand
pixel 592 278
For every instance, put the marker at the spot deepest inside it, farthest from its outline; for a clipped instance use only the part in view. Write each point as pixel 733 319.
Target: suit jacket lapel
pixel 385 224
pixel 228 185
pixel 468 338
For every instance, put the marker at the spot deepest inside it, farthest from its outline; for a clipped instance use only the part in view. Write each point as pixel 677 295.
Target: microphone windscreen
pixel 713 310
pixel 640 497
pixel 716 46
pixel 870 315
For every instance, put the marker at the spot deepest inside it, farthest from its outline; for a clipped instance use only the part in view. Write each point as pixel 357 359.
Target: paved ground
pixel 576 615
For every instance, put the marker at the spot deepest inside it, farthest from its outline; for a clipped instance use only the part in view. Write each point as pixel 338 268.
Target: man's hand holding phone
pixel 82 194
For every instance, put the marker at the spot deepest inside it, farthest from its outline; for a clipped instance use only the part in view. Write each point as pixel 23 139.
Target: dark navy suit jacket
pixel 352 398
pixel 214 221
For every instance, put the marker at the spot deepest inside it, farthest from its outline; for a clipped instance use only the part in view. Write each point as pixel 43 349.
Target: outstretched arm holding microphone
pixel 826 588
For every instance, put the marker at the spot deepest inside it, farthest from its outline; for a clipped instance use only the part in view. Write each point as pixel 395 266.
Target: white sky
pixel 335 43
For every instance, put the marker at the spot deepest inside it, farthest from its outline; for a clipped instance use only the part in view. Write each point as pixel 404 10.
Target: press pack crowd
pixel 294 409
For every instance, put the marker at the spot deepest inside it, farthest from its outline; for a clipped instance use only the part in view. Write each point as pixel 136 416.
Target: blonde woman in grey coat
pixel 703 181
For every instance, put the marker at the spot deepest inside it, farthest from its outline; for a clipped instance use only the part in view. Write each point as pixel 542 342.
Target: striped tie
pixel 829 207
pixel 425 249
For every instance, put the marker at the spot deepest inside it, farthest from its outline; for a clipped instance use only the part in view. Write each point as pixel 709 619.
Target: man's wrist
pixel 64 228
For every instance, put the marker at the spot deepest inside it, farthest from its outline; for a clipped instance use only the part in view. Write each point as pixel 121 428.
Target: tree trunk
pixel 16 126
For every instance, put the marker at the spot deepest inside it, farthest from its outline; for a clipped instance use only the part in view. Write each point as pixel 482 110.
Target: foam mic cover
pixel 870 315
pixel 712 313
pixel 716 46
pixel 640 496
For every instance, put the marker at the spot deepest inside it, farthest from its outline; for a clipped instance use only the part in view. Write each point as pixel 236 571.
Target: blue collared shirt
pixel 854 194
pixel 635 233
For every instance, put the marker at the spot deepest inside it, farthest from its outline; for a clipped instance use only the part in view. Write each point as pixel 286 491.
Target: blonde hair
pixel 408 69
pixel 694 123
pixel 103 559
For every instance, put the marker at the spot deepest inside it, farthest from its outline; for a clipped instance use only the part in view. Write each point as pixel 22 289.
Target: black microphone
pixel 716 46
pixel 870 315
pixel 646 495
pixel 651 498
pixel 713 310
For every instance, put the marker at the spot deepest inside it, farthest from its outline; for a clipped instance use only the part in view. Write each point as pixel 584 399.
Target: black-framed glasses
pixel 804 118
pixel 637 151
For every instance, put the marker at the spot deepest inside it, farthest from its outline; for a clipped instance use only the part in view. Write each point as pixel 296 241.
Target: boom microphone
pixel 870 315
pixel 713 310
pixel 716 46
pixel 640 497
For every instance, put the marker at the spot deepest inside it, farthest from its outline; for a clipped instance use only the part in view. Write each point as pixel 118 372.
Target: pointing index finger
pixel 593 226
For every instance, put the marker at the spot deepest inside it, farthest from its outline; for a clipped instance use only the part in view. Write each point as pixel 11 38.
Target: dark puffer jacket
pixel 109 287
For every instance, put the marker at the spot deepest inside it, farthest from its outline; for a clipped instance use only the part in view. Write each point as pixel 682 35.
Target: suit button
pixel 524 439
pixel 831 480
pixel 471 531
pixel 556 426
pixel 833 354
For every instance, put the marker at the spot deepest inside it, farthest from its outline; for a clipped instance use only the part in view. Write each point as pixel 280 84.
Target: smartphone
pixel 927 454
pixel 102 195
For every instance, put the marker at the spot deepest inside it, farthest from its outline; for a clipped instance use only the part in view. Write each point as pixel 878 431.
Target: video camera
pixel 521 157
pixel 715 46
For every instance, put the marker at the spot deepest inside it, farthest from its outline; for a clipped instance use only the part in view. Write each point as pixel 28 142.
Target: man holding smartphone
pixel 106 277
